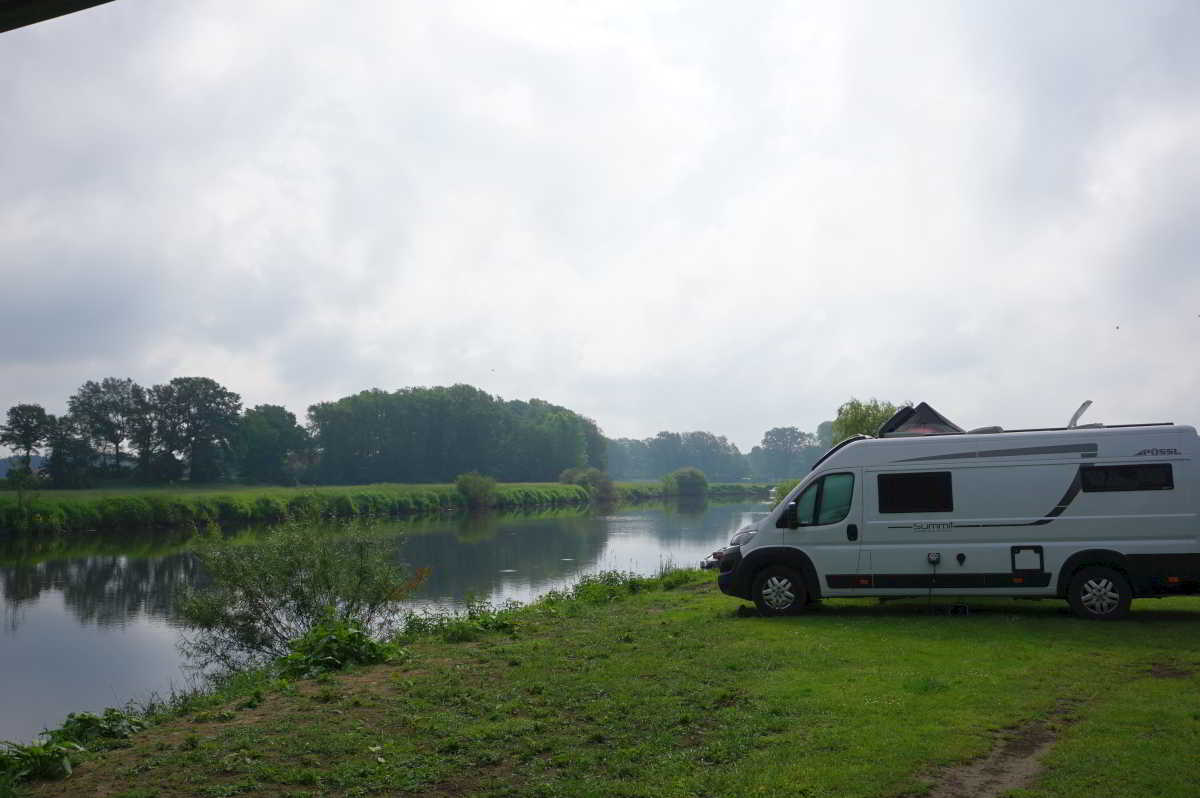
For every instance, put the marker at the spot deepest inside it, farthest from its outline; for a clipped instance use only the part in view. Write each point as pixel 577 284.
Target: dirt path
pixel 1013 763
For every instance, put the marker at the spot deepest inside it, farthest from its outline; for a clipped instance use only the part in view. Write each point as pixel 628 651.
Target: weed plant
pixel 334 645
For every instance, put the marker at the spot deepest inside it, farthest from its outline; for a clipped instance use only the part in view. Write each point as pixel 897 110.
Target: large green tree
pixel 25 431
pixel 435 434
pixel 69 464
pixel 103 411
pixel 784 452
pixel 825 435
pixel 270 445
pixel 197 419
pixel 857 417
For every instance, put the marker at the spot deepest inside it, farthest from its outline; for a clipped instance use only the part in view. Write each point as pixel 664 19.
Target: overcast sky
pixel 718 216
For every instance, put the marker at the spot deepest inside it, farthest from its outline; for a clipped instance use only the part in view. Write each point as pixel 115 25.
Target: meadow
pixel 661 686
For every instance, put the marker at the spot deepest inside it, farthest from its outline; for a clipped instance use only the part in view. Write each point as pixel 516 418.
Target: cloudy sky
pixel 720 216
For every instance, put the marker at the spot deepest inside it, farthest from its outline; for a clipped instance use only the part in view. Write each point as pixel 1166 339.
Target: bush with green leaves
pixel 54 755
pixel 85 728
pixel 333 645
pixel 41 760
pixel 478 492
pixel 261 597
pixel 599 485
pixel 687 481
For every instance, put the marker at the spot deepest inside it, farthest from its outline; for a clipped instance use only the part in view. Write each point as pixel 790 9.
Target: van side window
pixel 806 504
pixel 1143 476
pixel 926 492
pixel 835 498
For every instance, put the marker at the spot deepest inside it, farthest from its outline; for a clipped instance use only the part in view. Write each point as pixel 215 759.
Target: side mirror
pixel 788 519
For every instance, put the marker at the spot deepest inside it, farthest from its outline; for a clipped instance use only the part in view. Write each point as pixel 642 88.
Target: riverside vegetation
pixel 84 510
pixel 655 686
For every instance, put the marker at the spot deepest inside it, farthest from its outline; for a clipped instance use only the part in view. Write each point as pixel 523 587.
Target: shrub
pixel 266 595
pixel 477 491
pixel 687 481
pixel 599 485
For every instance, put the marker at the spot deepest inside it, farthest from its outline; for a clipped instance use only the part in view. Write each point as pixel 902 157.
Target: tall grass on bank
pixel 88 510
pixel 92 510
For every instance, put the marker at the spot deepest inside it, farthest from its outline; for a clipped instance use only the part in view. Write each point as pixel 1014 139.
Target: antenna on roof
pixel 1082 409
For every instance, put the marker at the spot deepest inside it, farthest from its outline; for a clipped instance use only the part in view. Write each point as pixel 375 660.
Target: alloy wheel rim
pixel 1100 596
pixel 777 593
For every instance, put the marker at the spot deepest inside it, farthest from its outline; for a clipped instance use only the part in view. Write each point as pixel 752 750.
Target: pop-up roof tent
pixel 919 420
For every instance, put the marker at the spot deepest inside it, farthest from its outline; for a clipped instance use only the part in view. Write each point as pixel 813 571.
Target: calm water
pixel 92 626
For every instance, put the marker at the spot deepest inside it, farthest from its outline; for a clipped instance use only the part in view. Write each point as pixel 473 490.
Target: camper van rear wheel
pixel 779 590
pixel 1100 593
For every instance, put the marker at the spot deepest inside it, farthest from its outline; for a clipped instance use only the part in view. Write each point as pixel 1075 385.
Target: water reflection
pixel 102 590
pixel 88 624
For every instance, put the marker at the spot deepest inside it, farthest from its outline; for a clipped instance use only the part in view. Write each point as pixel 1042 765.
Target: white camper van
pixel 1097 515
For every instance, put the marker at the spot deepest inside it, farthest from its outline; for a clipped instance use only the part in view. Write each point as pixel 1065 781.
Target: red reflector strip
pixel 863 581
pixel 1173 580
pixel 1018 580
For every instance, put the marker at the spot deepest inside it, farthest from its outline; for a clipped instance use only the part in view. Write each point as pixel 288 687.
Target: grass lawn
pixel 674 693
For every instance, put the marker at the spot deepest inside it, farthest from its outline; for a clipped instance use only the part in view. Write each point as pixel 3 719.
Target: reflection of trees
pixel 483 546
pixel 676 523
pixel 466 554
pixel 104 590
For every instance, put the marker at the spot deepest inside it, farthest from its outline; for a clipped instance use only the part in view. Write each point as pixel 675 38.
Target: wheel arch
pixel 1089 557
pixel 767 556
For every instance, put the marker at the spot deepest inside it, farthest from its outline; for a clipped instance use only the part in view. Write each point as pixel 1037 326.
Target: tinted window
pixel 835 498
pixel 806 504
pixel 916 493
pixel 1143 476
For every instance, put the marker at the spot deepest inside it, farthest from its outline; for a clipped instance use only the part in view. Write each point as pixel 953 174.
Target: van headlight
pixel 743 536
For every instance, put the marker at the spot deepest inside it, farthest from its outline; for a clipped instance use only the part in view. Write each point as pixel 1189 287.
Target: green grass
pixel 657 687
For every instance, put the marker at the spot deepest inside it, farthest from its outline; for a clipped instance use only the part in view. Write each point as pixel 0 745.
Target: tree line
pixel 193 429
pixel 783 452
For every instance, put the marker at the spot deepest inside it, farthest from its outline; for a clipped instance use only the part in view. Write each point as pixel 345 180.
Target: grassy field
pixel 662 688
pixel 84 510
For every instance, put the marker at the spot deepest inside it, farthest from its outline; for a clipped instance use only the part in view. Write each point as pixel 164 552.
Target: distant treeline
pixel 192 429
pixel 784 451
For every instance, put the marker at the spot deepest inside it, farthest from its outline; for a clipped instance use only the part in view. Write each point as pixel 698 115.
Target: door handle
pixel 851 531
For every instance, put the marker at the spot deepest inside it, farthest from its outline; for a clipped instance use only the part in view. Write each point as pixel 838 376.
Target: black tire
pixel 1099 593
pixel 779 590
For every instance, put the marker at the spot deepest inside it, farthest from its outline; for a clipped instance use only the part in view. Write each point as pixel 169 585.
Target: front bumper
pixel 726 562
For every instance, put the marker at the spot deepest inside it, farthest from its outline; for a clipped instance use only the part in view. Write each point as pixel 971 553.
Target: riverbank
pixel 86 510
pixel 658 687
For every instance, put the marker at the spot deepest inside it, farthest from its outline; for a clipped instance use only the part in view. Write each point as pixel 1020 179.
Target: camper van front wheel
pixel 779 590
pixel 1100 593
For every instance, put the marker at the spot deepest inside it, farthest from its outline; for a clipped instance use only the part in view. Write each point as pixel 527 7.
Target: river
pixel 87 623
